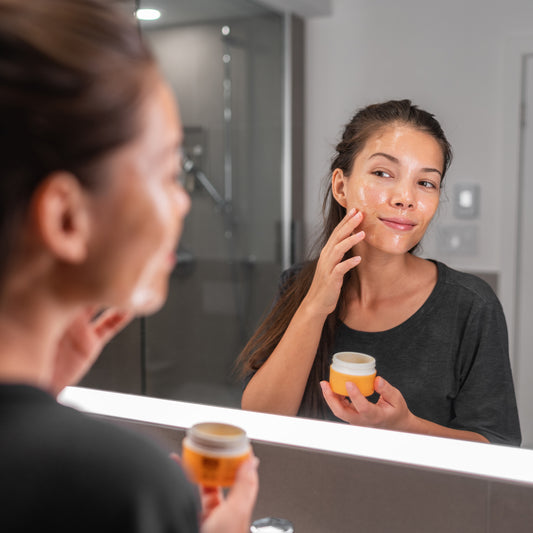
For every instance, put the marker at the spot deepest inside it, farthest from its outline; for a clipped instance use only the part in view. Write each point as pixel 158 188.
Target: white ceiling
pixel 195 11
pixel 304 8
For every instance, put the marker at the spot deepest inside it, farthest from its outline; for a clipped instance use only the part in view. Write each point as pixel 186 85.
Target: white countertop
pixel 471 458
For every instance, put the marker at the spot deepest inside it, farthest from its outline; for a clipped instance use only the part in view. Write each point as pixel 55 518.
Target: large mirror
pixel 230 63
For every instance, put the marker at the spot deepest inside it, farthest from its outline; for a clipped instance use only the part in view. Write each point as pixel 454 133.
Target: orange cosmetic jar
pixel 359 368
pixel 213 452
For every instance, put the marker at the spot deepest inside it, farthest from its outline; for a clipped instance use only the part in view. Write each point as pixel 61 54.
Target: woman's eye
pixel 427 184
pixel 381 174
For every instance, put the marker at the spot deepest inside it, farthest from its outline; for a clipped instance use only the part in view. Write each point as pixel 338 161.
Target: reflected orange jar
pixel 213 452
pixel 359 368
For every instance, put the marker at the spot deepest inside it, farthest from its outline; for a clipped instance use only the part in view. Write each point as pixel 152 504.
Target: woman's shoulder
pixel 465 283
pixel 104 448
pixel 100 459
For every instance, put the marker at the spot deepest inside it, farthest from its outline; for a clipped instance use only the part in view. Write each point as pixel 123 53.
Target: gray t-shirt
pixel 450 359
pixel 65 471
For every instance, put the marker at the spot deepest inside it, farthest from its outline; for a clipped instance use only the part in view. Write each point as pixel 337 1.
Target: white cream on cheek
pixel 381 197
pixel 150 288
pixel 366 198
pixel 146 296
pixel 141 298
pixel 170 205
pixel 373 200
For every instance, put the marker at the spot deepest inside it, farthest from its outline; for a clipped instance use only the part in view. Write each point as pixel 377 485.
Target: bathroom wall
pixel 447 57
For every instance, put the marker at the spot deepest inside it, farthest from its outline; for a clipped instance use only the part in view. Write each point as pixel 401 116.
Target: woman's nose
pixel 403 196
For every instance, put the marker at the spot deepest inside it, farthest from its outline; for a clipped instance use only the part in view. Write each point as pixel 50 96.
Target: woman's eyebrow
pixel 397 161
pixel 386 156
pixel 429 169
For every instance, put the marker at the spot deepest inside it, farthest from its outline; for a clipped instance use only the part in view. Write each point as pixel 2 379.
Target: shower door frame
pixel 114 371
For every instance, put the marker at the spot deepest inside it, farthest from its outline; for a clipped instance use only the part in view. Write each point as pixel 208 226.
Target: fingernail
pixel 351 211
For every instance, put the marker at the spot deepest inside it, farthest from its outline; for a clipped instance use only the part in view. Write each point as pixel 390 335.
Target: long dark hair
pixel 72 73
pixel 365 123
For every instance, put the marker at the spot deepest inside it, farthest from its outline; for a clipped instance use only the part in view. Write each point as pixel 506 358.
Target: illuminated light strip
pixel 471 458
pixel 148 14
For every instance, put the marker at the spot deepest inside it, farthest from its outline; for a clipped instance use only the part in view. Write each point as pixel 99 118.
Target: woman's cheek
pixel 156 241
pixel 150 291
pixel 427 208
pixel 367 199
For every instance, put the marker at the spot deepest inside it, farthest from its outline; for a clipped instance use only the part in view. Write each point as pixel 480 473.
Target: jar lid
pixel 271 525
pixel 354 363
pixel 217 436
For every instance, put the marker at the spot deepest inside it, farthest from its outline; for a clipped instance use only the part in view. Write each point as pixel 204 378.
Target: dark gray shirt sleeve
pixel 485 400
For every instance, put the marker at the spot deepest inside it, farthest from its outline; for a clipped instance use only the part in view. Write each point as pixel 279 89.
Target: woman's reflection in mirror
pixel 438 335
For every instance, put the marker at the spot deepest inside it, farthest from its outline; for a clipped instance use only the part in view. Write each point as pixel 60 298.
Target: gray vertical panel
pixel 327 493
pixel 298 132
pixel 524 295
pixel 286 187
pixel 510 508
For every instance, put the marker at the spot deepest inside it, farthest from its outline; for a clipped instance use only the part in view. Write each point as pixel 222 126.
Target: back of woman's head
pixel 72 73
pixel 367 122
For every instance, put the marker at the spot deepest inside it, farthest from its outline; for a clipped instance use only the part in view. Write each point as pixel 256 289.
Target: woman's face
pixel 138 216
pixel 395 182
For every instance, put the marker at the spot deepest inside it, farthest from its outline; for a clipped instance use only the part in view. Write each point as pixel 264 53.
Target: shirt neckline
pixel 418 314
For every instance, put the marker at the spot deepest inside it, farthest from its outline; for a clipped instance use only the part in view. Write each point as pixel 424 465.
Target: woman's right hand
pixel 234 513
pixel 327 282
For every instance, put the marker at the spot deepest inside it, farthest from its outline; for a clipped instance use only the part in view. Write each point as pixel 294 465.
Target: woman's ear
pixel 61 217
pixel 338 187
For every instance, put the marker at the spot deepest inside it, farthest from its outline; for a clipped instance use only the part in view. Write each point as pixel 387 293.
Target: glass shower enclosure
pixel 226 61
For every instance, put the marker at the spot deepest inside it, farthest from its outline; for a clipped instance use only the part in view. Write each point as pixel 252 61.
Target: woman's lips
pixel 399 224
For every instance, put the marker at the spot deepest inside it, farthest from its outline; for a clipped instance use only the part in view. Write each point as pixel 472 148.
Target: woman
pixel 90 216
pixel 439 336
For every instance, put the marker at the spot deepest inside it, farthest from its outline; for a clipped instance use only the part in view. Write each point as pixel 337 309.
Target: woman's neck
pixel 30 329
pixel 381 274
pixel 386 291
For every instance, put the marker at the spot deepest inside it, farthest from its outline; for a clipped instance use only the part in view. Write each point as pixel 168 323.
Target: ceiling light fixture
pixel 148 14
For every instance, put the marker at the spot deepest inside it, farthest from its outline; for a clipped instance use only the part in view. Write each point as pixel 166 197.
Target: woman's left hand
pixel 82 343
pixel 390 411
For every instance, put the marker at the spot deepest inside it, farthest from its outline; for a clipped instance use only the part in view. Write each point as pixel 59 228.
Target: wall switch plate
pixel 458 240
pixel 466 199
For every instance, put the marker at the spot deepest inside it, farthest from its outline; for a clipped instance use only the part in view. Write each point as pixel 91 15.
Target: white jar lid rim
pixel 354 363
